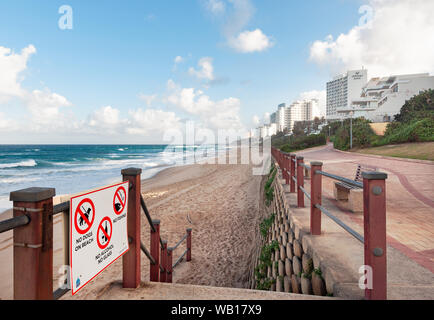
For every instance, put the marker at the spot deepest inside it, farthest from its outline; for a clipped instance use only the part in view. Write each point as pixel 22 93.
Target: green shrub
pixel 269 191
pixel 414 131
pixel 304 142
pixel 266 225
pixel 363 135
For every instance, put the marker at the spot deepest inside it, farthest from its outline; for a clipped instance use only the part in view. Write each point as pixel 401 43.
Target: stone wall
pixel 292 267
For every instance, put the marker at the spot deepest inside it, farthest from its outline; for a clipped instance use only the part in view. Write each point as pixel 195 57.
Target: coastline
pixel 221 201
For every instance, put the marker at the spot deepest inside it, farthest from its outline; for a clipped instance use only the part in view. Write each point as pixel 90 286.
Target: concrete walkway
pixel 168 291
pixel 409 194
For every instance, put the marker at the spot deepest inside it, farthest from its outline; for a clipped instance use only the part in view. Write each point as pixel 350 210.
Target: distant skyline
pixel 126 72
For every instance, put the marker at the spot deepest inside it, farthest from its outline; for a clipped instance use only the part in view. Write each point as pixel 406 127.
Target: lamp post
pixel 351 129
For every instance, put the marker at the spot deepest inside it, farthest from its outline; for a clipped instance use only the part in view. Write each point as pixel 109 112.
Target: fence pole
pixel 374 215
pixel 163 274
pixel 33 244
pixel 292 188
pixel 131 260
pixel 316 198
pixel 155 251
pixel 300 182
pixel 169 264
pixel 286 167
pixel 189 244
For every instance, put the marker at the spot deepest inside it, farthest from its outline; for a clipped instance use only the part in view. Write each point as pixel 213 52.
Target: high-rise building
pixel 273 117
pixel 282 117
pixel 300 111
pixel 342 90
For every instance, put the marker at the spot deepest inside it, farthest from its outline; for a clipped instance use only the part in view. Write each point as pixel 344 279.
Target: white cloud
pixel 11 65
pixel 105 117
pixel 152 121
pixel 256 120
pixel 397 40
pixel 250 41
pixel 205 70
pixel 149 99
pixel 237 17
pixel 178 59
pixel 6 124
pixel 44 107
pixel 216 6
pixel 222 114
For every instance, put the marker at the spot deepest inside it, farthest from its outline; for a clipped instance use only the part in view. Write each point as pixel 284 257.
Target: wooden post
pixel 163 274
pixel 33 244
pixel 300 183
pixel 169 264
pixel 292 187
pixel 131 260
pixel 155 251
pixel 286 167
pixel 316 198
pixel 374 215
pixel 189 244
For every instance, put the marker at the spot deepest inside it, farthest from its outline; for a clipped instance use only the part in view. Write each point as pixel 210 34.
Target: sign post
pixel 98 232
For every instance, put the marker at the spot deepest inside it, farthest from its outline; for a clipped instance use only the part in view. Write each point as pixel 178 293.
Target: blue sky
pixel 119 51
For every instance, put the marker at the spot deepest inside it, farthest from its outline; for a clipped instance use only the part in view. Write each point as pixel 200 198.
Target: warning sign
pixel 98 232
pixel 84 216
pixel 104 232
pixel 119 200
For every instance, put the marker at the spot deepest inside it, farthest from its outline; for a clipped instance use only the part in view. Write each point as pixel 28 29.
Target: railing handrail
pixel 305 165
pixel 61 207
pixel 347 228
pixel 179 259
pixel 148 216
pixel 341 179
pixel 374 212
pixel 305 192
pixel 14 222
pixel 180 241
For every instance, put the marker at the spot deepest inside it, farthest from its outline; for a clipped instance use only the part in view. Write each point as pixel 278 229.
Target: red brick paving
pixel 409 194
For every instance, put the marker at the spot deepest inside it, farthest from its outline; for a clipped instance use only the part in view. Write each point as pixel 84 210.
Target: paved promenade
pixel 409 194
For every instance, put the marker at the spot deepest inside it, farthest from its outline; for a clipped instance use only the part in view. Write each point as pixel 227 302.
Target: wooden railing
pixel 374 212
pixel 32 226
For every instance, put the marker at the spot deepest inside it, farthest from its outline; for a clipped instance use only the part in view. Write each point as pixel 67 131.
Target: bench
pixel 353 194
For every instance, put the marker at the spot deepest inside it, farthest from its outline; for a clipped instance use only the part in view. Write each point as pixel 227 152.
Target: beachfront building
pixel 342 90
pixel 267 130
pixel 301 111
pixel 282 117
pixel 273 118
pixel 382 98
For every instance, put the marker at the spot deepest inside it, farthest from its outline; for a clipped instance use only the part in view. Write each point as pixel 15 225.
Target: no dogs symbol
pixel 84 216
pixel 104 232
pixel 119 200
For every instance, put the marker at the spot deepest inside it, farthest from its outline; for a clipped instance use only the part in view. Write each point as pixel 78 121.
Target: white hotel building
pixel 342 90
pixel 382 98
pixel 378 100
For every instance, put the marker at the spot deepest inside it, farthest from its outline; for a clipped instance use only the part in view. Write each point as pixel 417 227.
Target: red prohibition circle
pixel 108 236
pixel 83 216
pixel 118 212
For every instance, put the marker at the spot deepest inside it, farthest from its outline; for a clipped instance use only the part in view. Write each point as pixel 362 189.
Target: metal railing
pixel 187 251
pixel 33 207
pixel 374 211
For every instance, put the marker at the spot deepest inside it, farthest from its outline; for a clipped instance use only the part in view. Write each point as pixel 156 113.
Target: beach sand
pixel 221 203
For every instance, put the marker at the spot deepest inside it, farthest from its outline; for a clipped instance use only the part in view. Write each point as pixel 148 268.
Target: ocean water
pixel 75 168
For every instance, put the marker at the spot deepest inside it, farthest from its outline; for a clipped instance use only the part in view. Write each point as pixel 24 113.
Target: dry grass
pixel 422 151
